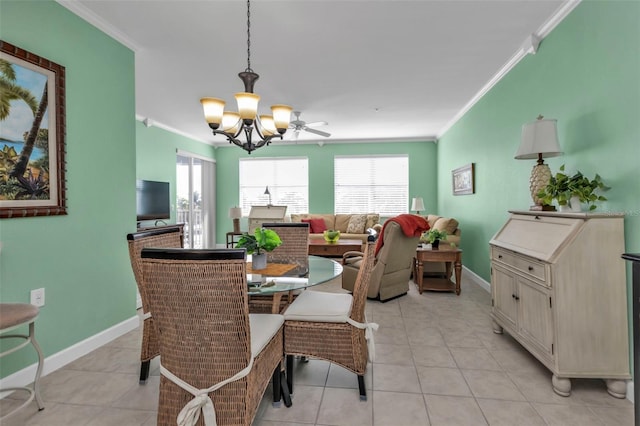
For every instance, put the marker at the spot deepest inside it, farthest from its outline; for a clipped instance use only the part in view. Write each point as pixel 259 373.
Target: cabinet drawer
pixel 524 264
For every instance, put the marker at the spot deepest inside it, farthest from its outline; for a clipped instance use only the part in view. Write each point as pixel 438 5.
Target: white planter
pixel 576 205
pixel 258 261
pixel 565 208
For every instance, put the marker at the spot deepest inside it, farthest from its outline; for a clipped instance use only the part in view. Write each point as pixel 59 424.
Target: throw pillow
pixel 446 224
pixel 372 219
pixel 316 226
pixel 356 224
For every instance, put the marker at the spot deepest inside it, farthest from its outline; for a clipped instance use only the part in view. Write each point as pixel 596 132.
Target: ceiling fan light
pixel 213 109
pixel 281 117
pixel 247 105
pixel 268 126
pixel 230 122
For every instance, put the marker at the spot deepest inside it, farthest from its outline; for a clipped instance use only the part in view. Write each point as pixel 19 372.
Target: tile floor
pixel 438 363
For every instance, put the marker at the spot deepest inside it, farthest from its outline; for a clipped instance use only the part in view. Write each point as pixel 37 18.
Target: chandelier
pixel 231 124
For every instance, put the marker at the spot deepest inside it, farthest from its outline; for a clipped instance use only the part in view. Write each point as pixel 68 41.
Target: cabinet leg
pixel 496 327
pixel 617 388
pixel 561 385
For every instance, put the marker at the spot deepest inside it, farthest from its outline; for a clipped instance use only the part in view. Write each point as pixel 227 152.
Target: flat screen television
pixel 152 200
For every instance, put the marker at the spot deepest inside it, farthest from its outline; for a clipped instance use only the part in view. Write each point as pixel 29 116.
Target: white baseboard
pixel 58 360
pixel 477 279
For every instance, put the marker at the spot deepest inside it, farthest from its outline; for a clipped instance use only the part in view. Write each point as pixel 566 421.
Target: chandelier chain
pixel 249 36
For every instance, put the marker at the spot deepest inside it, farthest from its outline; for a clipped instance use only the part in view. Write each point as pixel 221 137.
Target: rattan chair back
pixel 199 302
pixel 361 286
pixel 162 238
pixel 295 243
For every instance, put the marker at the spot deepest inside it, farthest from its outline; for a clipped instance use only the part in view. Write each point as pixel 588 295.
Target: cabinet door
pixel 535 316
pixel 503 291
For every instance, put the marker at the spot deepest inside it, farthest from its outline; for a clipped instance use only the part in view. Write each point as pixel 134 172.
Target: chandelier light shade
pixel 539 140
pixel 417 204
pixel 235 213
pixel 232 124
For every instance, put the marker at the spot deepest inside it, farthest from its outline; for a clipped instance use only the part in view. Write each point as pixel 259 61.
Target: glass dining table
pixel 281 279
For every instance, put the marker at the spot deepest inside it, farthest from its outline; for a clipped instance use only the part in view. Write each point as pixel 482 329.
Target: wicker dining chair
pixel 332 326
pixel 293 250
pixel 215 357
pixel 161 238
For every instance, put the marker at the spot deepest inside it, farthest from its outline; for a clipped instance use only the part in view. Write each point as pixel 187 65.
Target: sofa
pixel 351 226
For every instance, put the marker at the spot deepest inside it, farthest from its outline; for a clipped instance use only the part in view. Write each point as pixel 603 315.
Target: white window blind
pixel 287 179
pixel 365 184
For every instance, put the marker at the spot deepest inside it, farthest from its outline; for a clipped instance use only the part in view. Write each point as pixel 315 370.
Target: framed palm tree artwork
pixel 32 134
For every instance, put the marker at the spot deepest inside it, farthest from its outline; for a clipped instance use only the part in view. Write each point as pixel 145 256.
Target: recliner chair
pixel 392 270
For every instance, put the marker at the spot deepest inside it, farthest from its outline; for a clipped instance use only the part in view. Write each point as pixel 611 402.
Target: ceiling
pixel 374 70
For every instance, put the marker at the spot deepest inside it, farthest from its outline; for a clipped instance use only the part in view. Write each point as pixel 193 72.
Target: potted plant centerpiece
pixel 433 236
pixel 571 191
pixel 262 241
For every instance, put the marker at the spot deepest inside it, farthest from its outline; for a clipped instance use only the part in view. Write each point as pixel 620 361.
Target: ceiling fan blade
pixel 317 132
pixel 317 123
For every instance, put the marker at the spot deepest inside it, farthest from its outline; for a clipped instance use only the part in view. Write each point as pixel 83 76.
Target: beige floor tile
pixel 314 372
pixel 141 397
pixel 509 413
pixel 120 417
pixel 340 377
pixel 343 407
pixel 399 409
pixel 306 404
pixel 594 392
pixel 391 336
pixel 54 415
pixel 442 381
pixel 88 388
pixel 109 359
pixel 516 360
pixel 424 334
pixel 474 359
pixel 536 387
pixel 453 411
pixel 432 356
pixel 566 415
pixel 393 354
pixel 462 339
pixel 395 378
pixel 492 384
pixel 131 340
pixel 615 416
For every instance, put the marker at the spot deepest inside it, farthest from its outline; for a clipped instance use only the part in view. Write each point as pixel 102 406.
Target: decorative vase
pixel 564 208
pixel 331 236
pixel 576 205
pixel 258 261
pixel 435 244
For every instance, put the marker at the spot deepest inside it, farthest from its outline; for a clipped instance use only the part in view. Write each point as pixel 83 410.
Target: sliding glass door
pixel 195 199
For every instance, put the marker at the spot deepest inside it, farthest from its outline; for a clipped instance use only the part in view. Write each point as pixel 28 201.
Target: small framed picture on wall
pixel 462 180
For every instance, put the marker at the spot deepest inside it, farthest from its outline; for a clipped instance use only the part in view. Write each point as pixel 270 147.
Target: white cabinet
pixel 558 286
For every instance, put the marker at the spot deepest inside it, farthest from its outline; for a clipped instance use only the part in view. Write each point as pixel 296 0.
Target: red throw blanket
pixel 412 226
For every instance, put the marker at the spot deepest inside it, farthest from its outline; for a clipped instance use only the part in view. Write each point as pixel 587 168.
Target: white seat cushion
pixel 263 328
pixel 319 306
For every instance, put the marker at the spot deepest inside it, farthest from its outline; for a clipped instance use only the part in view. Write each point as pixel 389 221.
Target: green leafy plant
pixel 434 234
pixel 562 187
pixel 262 240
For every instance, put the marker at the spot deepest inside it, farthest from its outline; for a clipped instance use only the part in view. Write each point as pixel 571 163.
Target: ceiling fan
pixel 297 125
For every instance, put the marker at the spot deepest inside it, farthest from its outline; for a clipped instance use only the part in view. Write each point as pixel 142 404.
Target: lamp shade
pixel 539 137
pixel 213 109
pixel 417 204
pixel 247 105
pixel 235 212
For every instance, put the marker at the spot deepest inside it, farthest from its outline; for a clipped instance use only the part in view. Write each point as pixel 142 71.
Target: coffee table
pixel 446 254
pixel 319 247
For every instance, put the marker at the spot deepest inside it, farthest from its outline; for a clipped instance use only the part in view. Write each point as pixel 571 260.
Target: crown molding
pixel 152 123
pixel 529 46
pixel 85 13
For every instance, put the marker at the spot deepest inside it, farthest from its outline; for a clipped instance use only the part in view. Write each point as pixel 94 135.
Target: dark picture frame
pixel 32 135
pixel 462 180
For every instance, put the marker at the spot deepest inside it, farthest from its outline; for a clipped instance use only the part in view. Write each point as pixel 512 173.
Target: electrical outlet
pixel 37 297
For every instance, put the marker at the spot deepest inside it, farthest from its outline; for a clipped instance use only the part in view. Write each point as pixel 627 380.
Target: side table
pixel 448 254
pixel 232 238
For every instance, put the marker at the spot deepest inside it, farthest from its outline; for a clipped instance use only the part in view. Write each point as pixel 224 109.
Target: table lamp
pixel 235 213
pixel 539 140
pixel 417 204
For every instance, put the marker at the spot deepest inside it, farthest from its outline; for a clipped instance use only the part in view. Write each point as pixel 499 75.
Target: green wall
pixel 156 151
pixel 80 259
pixel 586 74
pixel 422 172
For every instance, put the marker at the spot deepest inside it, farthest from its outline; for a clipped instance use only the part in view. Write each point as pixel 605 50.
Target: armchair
pixel 392 271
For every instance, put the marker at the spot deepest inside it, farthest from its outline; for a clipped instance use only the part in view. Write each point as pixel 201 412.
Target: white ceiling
pixel 374 70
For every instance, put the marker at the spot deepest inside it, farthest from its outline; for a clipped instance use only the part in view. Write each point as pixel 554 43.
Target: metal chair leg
pixel 363 391
pixel 144 371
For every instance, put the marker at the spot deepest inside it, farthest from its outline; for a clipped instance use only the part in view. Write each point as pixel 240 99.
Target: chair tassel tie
pixel 369 328
pixel 201 401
